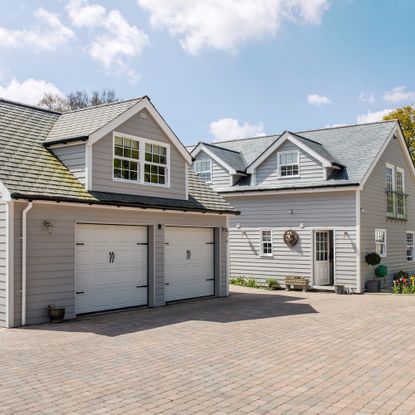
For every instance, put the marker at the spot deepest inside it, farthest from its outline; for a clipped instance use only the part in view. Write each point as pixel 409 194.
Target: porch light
pixel 48 225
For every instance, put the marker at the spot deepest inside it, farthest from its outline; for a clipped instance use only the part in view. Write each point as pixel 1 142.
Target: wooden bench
pixel 296 283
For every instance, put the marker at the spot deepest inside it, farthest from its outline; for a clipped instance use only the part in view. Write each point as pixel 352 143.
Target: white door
pixel 111 267
pixel 189 263
pixel 321 258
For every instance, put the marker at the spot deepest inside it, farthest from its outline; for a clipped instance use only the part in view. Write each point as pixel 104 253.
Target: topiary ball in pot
pixel 373 259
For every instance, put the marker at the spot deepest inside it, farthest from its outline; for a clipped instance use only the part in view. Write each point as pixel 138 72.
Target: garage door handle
pixel 188 254
pixel 112 257
pixel 210 279
pixel 166 283
pixel 141 286
pixel 80 292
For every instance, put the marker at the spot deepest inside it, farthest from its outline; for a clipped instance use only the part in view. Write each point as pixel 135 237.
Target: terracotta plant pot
pixel 56 314
pixel 373 286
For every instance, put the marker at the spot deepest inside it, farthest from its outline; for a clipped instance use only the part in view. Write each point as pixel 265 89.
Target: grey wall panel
pixel 73 157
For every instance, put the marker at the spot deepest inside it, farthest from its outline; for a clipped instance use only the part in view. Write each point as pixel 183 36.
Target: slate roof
pixel 355 147
pixel 232 158
pixel 30 171
pixel 83 122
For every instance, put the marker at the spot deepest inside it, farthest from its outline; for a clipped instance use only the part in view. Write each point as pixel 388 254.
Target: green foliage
pixel 251 283
pixel 273 284
pixel 406 117
pixel 373 259
pixel 238 281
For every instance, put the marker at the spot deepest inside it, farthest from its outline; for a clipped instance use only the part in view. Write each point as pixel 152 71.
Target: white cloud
pixel 315 99
pixel 30 91
pixel 114 42
pixel 335 125
pixel 226 25
pixel 367 98
pixel 48 35
pixel 372 116
pixel 229 128
pixel 399 94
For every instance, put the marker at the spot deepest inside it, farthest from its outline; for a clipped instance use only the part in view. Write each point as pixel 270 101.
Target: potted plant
pixel 339 289
pixel 373 259
pixel 56 313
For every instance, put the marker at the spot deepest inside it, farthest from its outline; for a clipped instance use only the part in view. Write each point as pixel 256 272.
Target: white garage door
pixel 111 267
pixel 189 263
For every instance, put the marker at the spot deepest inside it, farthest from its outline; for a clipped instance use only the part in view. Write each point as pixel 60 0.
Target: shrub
pixel 373 259
pixel 404 285
pixel 273 284
pixel 401 274
pixel 238 281
pixel 251 283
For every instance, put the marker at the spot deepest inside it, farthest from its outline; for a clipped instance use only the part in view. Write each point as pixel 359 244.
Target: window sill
pixel 289 177
pixel 166 186
pixel 266 256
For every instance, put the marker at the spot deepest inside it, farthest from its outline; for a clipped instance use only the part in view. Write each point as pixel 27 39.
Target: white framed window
pixel 390 188
pixel 288 164
pixel 203 168
pixel 410 246
pixel 140 160
pixel 155 164
pixel 380 242
pixel 126 158
pixel 400 193
pixel 266 242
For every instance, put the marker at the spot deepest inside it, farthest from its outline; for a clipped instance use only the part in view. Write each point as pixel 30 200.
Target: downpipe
pixel 24 259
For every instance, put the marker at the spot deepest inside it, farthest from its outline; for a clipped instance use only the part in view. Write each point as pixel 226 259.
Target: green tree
pixel 406 117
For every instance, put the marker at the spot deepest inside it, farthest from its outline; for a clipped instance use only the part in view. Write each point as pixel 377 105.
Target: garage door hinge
pixel 80 243
pixel 142 243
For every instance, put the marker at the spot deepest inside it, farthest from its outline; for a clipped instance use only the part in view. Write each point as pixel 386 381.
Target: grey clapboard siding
pixel 220 176
pixel 102 164
pixel 73 157
pixel 51 257
pixel 373 201
pixel 3 264
pixel 311 210
pixel 310 169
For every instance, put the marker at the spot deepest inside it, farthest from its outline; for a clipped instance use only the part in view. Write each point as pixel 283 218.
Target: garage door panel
pixel 107 281
pixel 189 263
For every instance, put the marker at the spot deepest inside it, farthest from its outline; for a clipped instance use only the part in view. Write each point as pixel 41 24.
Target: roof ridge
pixel 307 131
pixel 222 148
pixel 33 107
pixel 103 105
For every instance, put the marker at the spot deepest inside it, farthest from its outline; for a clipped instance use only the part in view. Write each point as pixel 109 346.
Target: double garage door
pixel 112 265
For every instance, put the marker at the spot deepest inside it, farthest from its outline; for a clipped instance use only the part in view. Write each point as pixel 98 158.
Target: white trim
pixel 141 160
pixel 96 205
pixel 277 143
pixel 228 256
pixel 144 103
pixel 4 193
pixel 88 167
pixel 395 130
pixel 201 147
pixel 9 264
pixel 400 170
pixel 313 231
pixel 378 230
pixel 261 242
pixel 288 191
pixel 196 162
pixel 279 154
pixel 413 245
pixel 186 173
pixel 358 244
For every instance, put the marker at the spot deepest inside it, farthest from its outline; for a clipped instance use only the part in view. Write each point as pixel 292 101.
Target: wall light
pixel 48 225
pixel 290 211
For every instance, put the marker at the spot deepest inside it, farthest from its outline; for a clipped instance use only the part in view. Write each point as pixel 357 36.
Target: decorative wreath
pixel 291 237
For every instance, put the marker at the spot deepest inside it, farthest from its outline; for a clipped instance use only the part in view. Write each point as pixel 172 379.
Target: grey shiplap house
pixel 344 191
pixel 99 209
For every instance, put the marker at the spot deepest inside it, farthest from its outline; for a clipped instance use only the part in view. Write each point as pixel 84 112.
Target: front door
pixel 323 258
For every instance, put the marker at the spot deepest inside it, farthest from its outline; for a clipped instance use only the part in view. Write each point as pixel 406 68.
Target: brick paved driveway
pixel 254 352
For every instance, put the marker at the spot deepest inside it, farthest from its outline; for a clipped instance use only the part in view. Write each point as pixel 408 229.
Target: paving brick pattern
pixel 252 353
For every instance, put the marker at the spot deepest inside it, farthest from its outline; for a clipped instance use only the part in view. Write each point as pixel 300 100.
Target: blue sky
pixel 218 69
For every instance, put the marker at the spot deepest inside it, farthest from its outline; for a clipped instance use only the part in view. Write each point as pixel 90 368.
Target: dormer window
pixel 140 160
pixel 126 156
pixel 288 164
pixel 203 168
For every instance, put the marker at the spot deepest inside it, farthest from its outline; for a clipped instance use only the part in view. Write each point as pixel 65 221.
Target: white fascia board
pixel 135 109
pixel 396 130
pixel 290 191
pixel 201 147
pixel 281 140
pixel 4 193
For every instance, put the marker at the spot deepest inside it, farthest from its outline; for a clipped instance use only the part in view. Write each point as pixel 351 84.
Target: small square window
pixel 288 163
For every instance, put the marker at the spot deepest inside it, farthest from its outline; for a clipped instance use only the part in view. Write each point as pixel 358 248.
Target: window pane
pixel 127 142
pixel 118 151
pixel 117 163
pixel 118 141
pixel 117 173
pixel 134 154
